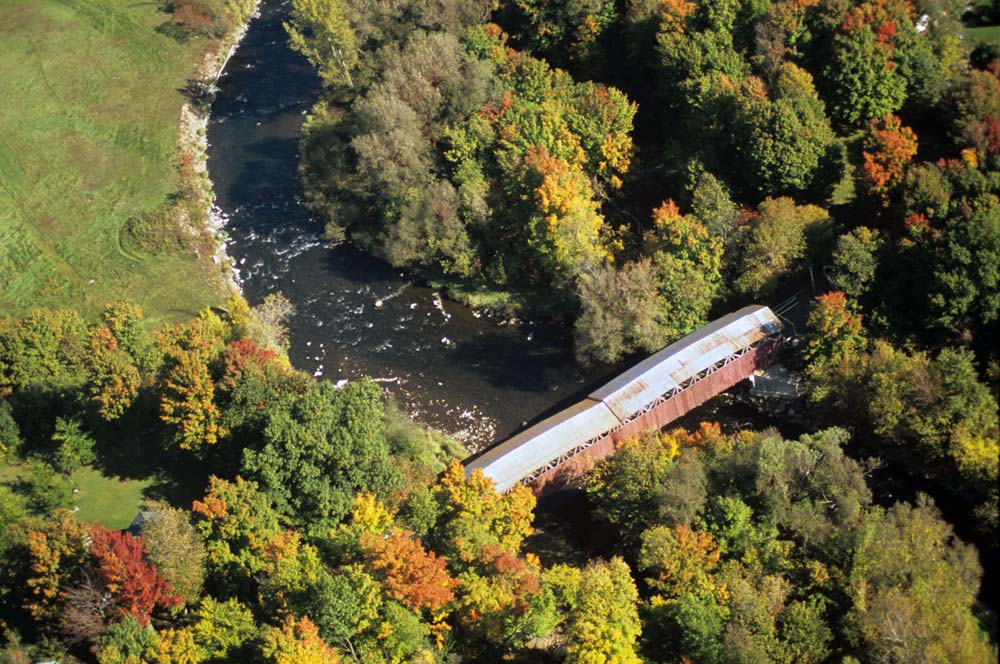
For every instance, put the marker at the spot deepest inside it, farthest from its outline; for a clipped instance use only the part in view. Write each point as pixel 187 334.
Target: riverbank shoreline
pixel 193 142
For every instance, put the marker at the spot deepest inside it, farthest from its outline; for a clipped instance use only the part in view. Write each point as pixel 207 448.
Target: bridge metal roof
pixel 611 405
pixel 667 369
pixel 507 463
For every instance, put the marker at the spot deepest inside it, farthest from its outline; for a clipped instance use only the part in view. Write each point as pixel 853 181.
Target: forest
pixel 628 170
pixel 295 522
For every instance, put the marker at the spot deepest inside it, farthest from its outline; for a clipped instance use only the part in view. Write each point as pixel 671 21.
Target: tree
pixel 855 262
pixel 911 588
pixel 835 329
pixel 689 264
pixel 415 577
pixel 223 630
pixel 806 636
pixel 125 321
pixel 76 445
pixel 474 515
pixel 964 291
pixel 269 320
pixel 621 312
pixel 125 642
pixel 238 522
pixel 296 642
pixel 566 229
pixel 889 147
pixel 188 402
pixel 712 205
pixel 176 646
pixel 683 562
pixel 626 486
pixel 321 447
pixel 775 242
pixel 114 378
pixel 321 31
pixel 44 349
pixel 788 138
pixel 866 79
pixel 56 552
pixel 176 548
pixel 134 586
pixel 501 601
pixel 603 626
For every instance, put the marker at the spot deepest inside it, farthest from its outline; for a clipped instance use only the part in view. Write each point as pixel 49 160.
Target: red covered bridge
pixel 650 395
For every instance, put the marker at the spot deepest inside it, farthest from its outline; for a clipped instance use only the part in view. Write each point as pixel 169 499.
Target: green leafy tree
pixel 223 630
pixel 775 244
pixel 126 641
pixel 125 321
pixel 322 447
pixel 238 522
pixel 76 445
pixel 787 138
pixel 855 262
pixel 864 72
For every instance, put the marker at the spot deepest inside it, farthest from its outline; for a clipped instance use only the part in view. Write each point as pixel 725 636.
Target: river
pixel 462 371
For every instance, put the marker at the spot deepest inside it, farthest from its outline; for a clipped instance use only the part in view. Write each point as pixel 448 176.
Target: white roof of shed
pixel 509 462
pixel 667 369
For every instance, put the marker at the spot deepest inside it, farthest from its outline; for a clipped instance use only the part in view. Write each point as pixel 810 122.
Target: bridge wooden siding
pixel 661 414
pixel 648 396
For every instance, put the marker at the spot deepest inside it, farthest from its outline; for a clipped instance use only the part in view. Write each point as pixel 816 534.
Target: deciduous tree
pixel 604 623
pixel 134 586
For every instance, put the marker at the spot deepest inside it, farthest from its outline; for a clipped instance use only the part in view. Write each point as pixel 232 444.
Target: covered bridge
pixel 650 395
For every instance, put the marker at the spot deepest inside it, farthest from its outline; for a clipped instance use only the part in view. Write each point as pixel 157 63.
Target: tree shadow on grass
pixel 136 448
pixel 178 33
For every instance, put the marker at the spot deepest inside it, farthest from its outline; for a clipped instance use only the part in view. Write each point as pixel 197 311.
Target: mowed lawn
pixel 89 115
pixel 110 501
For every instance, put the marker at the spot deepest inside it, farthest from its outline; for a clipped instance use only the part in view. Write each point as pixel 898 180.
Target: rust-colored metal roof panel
pixel 667 369
pixel 517 457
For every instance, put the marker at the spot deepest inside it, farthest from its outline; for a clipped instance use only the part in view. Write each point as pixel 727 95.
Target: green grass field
pixel 89 116
pixel 984 34
pixel 110 501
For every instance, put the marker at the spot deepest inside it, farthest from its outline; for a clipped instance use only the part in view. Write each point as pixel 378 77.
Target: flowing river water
pixel 462 371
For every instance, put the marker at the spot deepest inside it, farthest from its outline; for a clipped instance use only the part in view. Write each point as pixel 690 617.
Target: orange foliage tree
pixel 297 642
pixel 114 378
pixel 682 561
pixel 568 229
pixel 56 552
pixel 413 575
pixel 889 147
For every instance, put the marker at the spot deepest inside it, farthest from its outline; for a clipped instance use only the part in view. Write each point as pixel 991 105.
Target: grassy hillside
pixel 89 112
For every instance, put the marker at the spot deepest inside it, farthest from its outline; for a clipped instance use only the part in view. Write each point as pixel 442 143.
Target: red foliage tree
pixel 242 356
pixel 135 586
